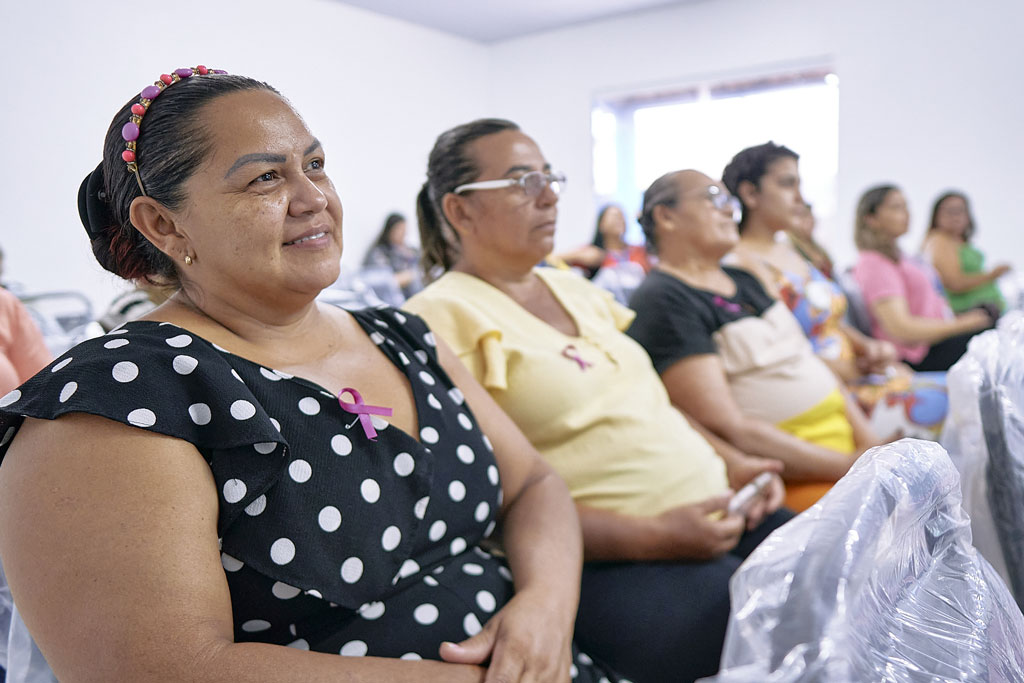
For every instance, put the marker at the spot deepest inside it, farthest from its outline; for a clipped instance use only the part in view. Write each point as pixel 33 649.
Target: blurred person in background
pixel 960 264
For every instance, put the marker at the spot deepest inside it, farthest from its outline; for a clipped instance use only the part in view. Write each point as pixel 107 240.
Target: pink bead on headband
pixel 130 130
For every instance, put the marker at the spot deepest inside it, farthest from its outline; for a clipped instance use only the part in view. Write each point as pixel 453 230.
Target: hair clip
pixel 130 130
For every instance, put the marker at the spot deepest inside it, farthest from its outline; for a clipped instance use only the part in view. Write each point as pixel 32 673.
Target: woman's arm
pixel 740 467
pixel 895 318
pixel 697 385
pixel 588 256
pixel 109 540
pixel 541 536
pixel 945 257
pixel 686 532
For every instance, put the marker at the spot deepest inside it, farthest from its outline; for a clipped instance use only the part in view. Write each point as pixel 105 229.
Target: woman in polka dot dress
pixel 213 493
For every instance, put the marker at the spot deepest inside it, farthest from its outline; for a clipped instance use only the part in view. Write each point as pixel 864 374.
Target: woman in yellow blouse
pixel 651 491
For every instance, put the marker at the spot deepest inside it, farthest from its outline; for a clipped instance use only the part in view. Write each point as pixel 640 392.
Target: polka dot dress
pixel 330 541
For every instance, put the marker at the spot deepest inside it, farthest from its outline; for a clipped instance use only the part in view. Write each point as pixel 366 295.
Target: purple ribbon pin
pixel 572 353
pixel 363 410
pixel 727 305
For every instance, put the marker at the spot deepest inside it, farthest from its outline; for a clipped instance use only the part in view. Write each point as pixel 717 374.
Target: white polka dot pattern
pixel 300 471
pixel 184 365
pixel 242 410
pixel 179 341
pixel 234 490
pixel 351 570
pixel 319 517
pixel 68 391
pixel 283 591
pixel 200 413
pixel 256 508
pixel 329 518
pixel 142 417
pixel 354 648
pixel 282 551
pixel 125 371
pixel 425 614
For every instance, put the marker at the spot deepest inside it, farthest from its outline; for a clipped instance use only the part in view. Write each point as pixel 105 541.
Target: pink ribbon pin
pixel 364 411
pixel 572 353
pixel 727 305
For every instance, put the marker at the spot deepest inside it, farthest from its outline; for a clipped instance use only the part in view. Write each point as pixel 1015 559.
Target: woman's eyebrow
pixel 266 158
pixel 254 158
pixel 526 169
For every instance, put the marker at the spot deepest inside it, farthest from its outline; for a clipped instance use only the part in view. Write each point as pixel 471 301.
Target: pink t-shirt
pixel 879 278
pixel 22 351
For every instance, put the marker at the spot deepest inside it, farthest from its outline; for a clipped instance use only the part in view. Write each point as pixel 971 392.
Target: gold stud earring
pixel 188 260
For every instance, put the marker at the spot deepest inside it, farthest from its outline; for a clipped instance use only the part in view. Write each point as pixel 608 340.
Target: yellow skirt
pixel 824 425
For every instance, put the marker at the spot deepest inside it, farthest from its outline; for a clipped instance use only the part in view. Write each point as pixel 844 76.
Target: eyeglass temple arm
pixel 487 185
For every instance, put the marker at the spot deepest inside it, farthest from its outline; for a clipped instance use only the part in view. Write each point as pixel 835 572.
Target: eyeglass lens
pixel 534 182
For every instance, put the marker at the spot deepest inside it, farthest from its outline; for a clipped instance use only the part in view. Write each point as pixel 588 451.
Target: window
pixel 639 137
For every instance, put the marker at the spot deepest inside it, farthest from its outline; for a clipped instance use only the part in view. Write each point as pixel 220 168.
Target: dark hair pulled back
pixel 173 143
pixel 751 164
pixel 448 166
pixel 662 192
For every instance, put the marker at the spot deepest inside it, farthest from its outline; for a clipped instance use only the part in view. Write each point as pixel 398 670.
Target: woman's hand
pixel 877 356
pixel 1001 270
pixel 525 643
pixel 742 468
pixel 692 532
pixel 768 501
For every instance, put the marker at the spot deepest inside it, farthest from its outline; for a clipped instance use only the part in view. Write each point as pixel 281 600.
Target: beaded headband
pixel 130 130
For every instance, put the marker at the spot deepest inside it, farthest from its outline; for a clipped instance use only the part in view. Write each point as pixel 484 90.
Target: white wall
pixel 929 94
pixel 929 97
pixel 376 91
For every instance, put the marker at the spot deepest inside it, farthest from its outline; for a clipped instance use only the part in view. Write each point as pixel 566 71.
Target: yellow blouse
pixel 593 405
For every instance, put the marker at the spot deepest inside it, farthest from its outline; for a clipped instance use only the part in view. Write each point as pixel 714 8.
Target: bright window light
pixel 704 134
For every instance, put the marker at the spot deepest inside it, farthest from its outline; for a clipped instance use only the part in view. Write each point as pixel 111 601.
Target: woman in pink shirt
pixel 22 351
pixel 902 293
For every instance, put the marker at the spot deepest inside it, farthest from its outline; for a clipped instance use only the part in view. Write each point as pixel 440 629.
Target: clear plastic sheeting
pixel 878 581
pixel 984 435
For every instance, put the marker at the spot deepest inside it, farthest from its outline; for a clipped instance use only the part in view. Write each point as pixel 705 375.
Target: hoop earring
pixel 188 260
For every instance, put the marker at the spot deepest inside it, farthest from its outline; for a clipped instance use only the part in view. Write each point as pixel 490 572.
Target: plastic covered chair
pixel 351 293
pixel 984 434
pixel 878 581
pixel 621 279
pixel 64 318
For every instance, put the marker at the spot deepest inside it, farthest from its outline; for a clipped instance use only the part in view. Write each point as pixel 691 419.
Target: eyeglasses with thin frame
pixel 719 198
pixel 532 183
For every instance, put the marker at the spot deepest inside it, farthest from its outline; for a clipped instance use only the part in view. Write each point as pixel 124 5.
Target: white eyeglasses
pixel 532 183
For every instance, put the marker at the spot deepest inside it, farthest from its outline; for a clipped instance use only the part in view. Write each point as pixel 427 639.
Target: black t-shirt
pixel 674 320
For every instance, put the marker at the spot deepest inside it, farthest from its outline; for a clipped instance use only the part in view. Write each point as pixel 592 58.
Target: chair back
pixel 878 581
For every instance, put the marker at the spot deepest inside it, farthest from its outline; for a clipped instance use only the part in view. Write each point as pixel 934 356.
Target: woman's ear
pixel 458 213
pixel 747 193
pixel 662 217
pixel 157 225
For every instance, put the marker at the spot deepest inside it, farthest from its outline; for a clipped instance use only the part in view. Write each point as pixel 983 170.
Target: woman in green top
pixel 959 263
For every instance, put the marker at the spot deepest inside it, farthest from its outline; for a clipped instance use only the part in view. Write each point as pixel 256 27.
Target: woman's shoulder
pixel 569 281
pixel 744 279
pixel 153 376
pixel 872 263
pixel 454 293
pixel 461 308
